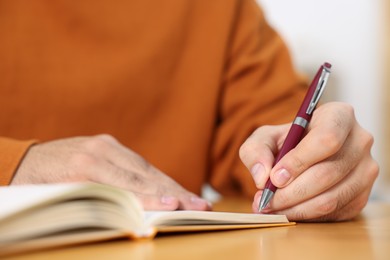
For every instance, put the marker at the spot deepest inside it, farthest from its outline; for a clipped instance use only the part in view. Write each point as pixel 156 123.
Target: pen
pixel 299 124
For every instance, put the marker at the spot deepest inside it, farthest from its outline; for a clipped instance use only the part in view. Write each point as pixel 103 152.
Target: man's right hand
pixel 103 159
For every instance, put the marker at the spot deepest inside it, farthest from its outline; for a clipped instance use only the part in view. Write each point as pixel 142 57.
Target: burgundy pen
pixel 299 125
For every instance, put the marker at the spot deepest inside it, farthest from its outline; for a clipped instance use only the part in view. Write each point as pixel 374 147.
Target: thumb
pixel 258 152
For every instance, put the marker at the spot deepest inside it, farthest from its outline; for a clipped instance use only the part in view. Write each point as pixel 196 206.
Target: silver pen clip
pixel 319 90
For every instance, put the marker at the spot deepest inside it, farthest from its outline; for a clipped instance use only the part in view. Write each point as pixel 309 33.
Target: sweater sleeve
pixel 260 88
pixel 11 153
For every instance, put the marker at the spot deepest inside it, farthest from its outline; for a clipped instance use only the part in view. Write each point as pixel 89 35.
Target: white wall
pixel 348 34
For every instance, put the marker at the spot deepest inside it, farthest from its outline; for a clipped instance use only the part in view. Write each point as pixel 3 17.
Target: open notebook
pixel 40 216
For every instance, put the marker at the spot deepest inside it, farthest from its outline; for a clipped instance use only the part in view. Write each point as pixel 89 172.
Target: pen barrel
pixel 293 137
pixel 270 186
pixel 299 125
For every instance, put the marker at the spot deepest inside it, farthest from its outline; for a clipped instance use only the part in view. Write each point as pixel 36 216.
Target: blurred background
pixel 354 36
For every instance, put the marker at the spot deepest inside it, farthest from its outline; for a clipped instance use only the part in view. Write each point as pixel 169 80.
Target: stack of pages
pixel 41 216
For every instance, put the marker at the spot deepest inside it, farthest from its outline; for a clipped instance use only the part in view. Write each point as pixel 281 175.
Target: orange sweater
pixel 183 83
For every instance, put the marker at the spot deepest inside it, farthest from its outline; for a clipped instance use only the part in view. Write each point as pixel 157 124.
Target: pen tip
pixel 262 206
pixel 265 198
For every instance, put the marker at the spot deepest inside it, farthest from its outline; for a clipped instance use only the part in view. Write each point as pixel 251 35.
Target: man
pixel 177 86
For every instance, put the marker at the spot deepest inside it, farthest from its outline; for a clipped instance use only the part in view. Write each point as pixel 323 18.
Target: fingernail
pixel 281 177
pixel 257 172
pixel 198 201
pixel 168 200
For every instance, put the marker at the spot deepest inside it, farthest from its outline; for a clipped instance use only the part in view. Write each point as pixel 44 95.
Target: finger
pixel 349 211
pixel 257 152
pixel 152 202
pixel 356 186
pixel 157 192
pixel 328 133
pixel 324 175
pixel 166 202
pixel 171 202
pixel 193 202
pixel 137 175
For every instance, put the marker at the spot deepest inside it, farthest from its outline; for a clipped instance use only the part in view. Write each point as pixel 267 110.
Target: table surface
pixel 366 237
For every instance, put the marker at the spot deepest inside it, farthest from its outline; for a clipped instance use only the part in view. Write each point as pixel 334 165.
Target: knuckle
pixel 81 162
pixel 330 141
pixel 344 111
pixel 263 128
pixel 359 205
pixel 373 170
pixel 242 151
pixel 137 181
pixel 106 137
pixel 283 197
pixel 298 165
pixel 348 109
pixel 82 159
pixel 300 191
pixel 96 143
pixel 325 176
pixel 367 139
pixel 245 150
pixel 327 206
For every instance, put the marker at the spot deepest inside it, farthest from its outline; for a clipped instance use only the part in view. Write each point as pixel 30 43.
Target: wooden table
pixel 367 237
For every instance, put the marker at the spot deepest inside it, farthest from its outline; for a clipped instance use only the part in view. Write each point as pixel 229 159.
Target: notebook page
pixel 16 198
